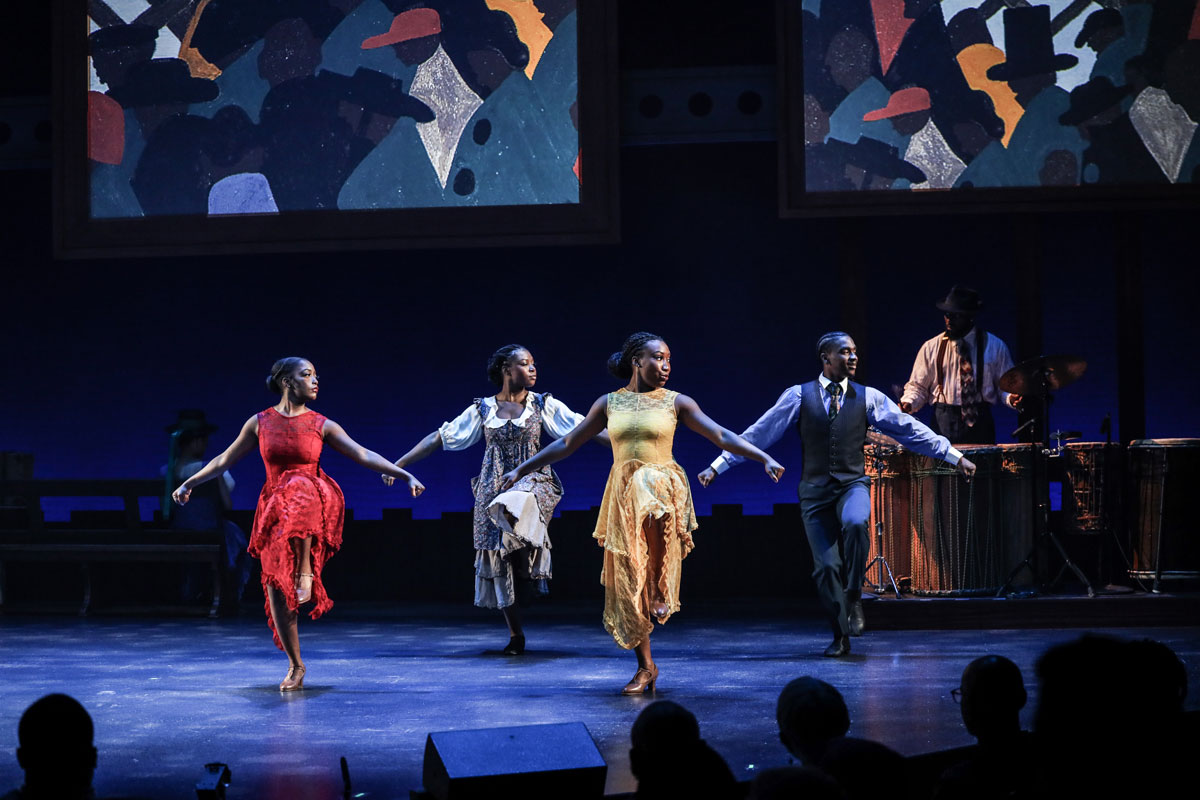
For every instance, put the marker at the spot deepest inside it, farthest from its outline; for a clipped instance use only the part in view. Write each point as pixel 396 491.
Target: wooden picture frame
pixel 275 216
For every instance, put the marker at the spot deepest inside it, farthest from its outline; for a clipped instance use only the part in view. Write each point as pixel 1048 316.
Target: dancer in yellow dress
pixel 646 516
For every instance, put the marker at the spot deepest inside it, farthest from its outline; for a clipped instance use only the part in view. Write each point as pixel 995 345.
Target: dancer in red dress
pixel 298 522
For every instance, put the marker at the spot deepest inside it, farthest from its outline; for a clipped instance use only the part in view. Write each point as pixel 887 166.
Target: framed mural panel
pixel 202 126
pixel 902 106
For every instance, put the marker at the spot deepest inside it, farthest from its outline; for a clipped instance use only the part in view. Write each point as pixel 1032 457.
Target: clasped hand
pixel 414 485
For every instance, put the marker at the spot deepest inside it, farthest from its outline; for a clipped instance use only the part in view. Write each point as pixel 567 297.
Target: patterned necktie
pixel 966 382
pixel 835 397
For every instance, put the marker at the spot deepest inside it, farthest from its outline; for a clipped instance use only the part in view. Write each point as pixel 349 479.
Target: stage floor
pixel 169 694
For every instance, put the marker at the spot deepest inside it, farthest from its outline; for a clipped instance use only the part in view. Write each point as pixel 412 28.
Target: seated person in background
pixel 210 501
pixel 991 694
pixel 55 750
pixel 670 760
pixel 811 714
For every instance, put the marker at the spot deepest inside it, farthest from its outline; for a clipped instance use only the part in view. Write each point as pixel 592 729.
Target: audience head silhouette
pixel 786 783
pixel 669 759
pixel 55 749
pixel 810 713
pixel 993 695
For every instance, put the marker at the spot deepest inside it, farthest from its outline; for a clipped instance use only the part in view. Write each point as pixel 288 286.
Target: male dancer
pixel 831 414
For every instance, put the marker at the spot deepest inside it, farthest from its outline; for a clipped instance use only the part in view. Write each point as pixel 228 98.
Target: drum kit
pixel 955 537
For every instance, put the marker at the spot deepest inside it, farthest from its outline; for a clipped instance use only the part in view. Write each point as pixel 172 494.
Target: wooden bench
pixel 134 541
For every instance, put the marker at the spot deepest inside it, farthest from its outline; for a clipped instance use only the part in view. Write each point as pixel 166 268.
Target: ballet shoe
pixel 294 681
pixel 516 645
pixel 643 681
pixel 303 593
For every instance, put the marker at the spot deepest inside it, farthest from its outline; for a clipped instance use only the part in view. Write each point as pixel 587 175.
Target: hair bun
pixel 614 366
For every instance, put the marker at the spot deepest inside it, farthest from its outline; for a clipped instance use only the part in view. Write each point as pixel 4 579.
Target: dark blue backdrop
pixel 100 355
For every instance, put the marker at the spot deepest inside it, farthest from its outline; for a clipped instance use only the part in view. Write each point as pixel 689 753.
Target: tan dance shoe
pixel 303 587
pixel 643 681
pixel 294 681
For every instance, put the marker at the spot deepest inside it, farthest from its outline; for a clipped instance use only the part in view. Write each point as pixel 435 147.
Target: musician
pixel 947 374
pixel 831 414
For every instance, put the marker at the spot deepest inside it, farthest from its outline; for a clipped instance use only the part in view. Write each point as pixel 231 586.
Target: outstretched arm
pixel 688 411
pixel 421 449
pixel 593 423
pixel 247 440
pixel 339 440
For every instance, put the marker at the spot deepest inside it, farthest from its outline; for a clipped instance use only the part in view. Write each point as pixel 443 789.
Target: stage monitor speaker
pixel 559 760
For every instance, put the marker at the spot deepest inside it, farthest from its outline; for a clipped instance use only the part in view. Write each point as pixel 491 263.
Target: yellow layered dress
pixel 645 484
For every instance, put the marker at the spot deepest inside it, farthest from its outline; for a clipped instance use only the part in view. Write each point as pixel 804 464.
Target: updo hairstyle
pixel 620 363
pixel 281 369
pixel 501 359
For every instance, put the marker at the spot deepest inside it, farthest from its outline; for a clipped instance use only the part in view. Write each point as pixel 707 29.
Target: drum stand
pixel 1041 508
pixel 876 504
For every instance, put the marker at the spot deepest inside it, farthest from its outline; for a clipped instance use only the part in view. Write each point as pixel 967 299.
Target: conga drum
pixel 1092 473
pixel 968 536
pixel 889 469
pixel 1163 473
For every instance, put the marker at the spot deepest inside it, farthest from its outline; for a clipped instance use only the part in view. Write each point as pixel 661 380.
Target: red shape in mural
pixel 578 168
pixel 890 27
pixel 106 129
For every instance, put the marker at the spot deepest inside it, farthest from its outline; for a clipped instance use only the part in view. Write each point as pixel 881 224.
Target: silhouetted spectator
pixel 992 695
pixel 811 714
pixel 670 760
pixel 793 783
pixel 864 768
pixel 55 750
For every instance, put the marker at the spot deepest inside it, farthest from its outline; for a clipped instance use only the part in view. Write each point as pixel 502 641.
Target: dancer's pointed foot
pixel 294 681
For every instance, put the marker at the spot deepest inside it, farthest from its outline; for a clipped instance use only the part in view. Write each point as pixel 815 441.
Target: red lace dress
pixel 297 501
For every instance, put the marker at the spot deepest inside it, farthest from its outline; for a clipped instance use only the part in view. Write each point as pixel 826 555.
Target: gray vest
pixel 833 452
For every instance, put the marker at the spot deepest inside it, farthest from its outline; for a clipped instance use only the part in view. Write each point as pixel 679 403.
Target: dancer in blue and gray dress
pixel 512 548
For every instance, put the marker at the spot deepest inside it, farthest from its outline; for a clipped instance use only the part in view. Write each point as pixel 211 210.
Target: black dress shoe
pixel 857 620
pixel 839 648
pixel 516 646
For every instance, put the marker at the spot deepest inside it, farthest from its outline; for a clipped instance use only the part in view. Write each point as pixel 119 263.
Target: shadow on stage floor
pixel 168 694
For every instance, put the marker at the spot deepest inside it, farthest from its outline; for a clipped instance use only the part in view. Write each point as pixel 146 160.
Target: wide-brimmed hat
pixel 121 35
pixel 1098 21
pixel 876 157
pixel 193 421
pixel 1094 97
pixel 161 81
pixel 1029 45
pixel 961 300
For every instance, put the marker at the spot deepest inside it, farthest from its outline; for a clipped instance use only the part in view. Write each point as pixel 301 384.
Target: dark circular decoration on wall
pixel 650 106
pixel 750 102
pixel 700 104
pixel 482 132
pixel 464 182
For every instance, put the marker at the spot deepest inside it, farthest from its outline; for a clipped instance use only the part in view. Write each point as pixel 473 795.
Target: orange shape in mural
pixel 578 168
pixel 890 27
pixel 198 65
pixel 975 61
pixel 105 129
pixel 530 28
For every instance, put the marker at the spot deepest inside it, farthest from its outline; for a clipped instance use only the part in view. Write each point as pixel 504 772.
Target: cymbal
pixel 1054 372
